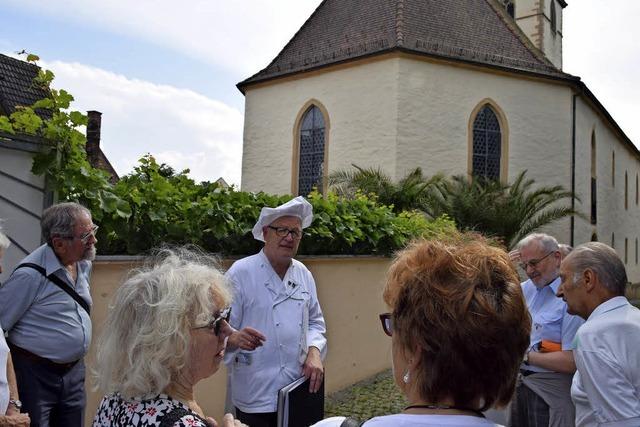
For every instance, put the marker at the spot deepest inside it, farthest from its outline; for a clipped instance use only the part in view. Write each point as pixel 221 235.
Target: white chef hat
pixel 298 207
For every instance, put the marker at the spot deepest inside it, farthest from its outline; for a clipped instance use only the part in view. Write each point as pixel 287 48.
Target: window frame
pixel 295 160
pixel 504 137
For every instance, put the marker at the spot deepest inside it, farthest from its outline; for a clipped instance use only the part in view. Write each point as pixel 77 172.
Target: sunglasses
pixel 387 323
pixel 216 323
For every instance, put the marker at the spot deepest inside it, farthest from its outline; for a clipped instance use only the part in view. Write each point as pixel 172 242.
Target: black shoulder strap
pixel 60 283
pixel 170 418
pixel 351 422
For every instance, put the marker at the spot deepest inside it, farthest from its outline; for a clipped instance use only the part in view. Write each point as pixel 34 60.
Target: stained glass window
pixel 311 162
pixel 487 144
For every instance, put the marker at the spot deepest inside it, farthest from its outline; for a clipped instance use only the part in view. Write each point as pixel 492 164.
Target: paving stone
pixel 366 399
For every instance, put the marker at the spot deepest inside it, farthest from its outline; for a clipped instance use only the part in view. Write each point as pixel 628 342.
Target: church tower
pixel 541 21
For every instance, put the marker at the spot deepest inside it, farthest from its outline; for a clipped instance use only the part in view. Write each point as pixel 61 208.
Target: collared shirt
pixel 4 385
pixel 288 313
pixel 549 318
pixel 606 387
pixel 42 318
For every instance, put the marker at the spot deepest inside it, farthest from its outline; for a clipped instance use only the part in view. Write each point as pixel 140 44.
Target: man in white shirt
pixel 606 388
pixel 543 391
pixel 279 324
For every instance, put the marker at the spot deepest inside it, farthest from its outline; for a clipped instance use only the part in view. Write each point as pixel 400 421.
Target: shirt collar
pixel 554 285
pixel 264 262
pixel 608 305
pixel 51 261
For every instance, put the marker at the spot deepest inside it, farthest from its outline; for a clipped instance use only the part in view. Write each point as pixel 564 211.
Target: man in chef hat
pixel 279 328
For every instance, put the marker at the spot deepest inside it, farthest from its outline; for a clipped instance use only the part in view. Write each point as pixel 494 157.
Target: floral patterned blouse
pixel 114 410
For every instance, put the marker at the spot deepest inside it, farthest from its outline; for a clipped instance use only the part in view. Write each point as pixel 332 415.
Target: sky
pixel 163 73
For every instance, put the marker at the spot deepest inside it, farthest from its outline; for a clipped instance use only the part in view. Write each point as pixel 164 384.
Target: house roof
pixel 17 87
pixel 481 32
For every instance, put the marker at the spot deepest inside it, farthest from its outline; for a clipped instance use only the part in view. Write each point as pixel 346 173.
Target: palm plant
pixel 414 191
pixel 507 212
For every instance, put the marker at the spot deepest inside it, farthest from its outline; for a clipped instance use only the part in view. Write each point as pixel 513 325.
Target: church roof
pixel 473 31
pixel 16 84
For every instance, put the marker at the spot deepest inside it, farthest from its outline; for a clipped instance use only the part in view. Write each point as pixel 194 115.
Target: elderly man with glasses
pixel 543 392
pixel 44 306
pixel 280 329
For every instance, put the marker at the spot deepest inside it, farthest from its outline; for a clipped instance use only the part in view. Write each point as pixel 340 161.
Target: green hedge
pixel 169 207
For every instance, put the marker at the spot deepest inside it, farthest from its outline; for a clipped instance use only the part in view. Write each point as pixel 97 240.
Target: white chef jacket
pixel 288 314
pixel 606 386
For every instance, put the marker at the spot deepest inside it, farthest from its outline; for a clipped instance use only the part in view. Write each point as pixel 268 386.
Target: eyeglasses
pixel 387 323
pixel 84 238
pixel 284 232
pixel 534 262
pixel 216 323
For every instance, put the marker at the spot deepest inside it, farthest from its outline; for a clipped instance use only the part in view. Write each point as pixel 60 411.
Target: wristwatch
pixel 16 403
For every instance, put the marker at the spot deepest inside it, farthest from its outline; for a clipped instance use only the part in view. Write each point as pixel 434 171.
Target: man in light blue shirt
pixel 280 329
pixel 606 388
pixel 44 306
pixel 543 391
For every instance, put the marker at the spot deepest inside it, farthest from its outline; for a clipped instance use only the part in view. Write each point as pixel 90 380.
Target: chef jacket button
pixel 278 324
pixel 300 324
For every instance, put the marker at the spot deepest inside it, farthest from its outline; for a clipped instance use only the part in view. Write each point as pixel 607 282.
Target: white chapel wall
pixel 612 216
pixel 437 101
pixel 362 106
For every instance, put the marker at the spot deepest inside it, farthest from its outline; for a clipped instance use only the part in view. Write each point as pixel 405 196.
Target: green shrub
pixel 169 207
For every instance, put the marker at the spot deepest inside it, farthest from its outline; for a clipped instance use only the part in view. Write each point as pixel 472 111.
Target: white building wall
pixel 612 217
pixel 400 113
pixel 21 205
pixel 362 107
pixel 436 103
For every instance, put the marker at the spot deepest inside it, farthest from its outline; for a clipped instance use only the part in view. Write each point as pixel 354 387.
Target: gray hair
pixel 146 337
pixel 546 242
pixel 565 249
pixel 60 219
pixel 4 241
pixel 603 261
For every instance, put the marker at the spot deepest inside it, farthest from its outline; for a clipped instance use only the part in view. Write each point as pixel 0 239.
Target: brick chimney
pixel 93 136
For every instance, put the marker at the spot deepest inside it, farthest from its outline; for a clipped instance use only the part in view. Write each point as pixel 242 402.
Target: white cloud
pixel 179 127
pixel 242 36
pixel 600 46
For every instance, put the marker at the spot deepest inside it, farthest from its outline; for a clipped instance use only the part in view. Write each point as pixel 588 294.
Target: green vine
pixel 63 159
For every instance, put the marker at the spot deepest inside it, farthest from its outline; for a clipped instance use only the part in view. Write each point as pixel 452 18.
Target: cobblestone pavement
pixel 372 397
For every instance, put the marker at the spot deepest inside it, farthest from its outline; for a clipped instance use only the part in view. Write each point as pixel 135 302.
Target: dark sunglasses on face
pixel 216 323
pixel 387 323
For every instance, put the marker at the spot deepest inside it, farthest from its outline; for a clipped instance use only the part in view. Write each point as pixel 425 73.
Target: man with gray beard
pixel 44 306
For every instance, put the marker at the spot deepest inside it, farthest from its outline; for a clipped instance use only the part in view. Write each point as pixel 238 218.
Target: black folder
pixel 299 408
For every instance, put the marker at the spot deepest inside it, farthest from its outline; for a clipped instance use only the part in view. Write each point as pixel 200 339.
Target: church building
pixel 454 86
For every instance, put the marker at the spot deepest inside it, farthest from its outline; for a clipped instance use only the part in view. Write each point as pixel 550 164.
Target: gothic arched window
pixel 487 144
pixel 311 161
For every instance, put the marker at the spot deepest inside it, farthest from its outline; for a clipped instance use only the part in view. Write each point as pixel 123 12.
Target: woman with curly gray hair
pixel 166 330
